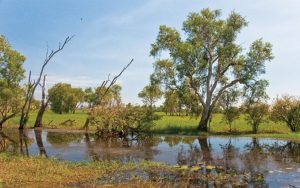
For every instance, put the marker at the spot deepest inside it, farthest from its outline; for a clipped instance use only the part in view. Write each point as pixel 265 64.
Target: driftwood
pixel 68 122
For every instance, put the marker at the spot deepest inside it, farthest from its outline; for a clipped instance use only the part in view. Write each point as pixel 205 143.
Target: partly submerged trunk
pixel 39 117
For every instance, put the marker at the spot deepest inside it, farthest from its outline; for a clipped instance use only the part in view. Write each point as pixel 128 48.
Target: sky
pixel 108 34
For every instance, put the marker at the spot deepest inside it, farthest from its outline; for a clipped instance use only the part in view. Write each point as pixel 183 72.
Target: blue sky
pixel 110 33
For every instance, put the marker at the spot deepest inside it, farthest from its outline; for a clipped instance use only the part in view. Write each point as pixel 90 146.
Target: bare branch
pixel 115 79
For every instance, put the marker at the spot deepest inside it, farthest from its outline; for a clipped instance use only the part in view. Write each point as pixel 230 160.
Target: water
pixel 277 160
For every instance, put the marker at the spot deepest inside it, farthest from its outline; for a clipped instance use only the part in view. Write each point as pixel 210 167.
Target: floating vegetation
pixel 177 176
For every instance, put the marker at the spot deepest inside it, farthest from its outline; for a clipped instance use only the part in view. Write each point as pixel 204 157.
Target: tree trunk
pixel 203 124
pixel 254 128
pixel 39 118
pixel 23 121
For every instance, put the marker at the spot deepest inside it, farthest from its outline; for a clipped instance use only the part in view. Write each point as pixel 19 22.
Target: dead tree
pixel 32 85
pixel 105 84
pixel 43 106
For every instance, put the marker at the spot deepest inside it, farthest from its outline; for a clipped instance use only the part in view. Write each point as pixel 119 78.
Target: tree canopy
pixel 208 57
pixel 11 74
pixel 64 98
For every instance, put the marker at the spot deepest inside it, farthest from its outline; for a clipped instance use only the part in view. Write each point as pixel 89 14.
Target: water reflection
pixel 271 159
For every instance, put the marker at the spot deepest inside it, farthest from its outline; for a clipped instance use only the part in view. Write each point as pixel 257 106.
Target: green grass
pixel 181 125
pixel 55 119
pixel 188 126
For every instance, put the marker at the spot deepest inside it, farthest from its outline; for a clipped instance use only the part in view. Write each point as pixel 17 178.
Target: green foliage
pixel 120 120
pixel 109 97
pixel 11 74
pixel 256 114
pixel 287 109
pixel 171 102
pixel 186 125
pixel 102 96
pixel 208 58
pixel 227 102
pixel 64 99
pixel 150 94
pixel 255 105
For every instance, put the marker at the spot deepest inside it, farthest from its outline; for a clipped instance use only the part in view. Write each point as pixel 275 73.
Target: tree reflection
pixel 287 152
pixel 6 142
pixel 23 140
pixel 206 149
pixel 61 139
pixel 230 155
pixel 123 149
pixel 39 142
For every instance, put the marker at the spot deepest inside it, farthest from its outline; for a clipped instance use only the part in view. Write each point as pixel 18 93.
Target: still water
pixel 277 160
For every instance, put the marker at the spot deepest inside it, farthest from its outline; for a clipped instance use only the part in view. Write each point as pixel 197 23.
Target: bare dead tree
pixel 32 85
pixel 43 106
pixel 105 84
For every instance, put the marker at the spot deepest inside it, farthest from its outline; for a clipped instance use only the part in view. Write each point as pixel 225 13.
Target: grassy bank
pixel 188 126
pixel 182 125
pixel 18 171
pixel 52 120
pixel 179 125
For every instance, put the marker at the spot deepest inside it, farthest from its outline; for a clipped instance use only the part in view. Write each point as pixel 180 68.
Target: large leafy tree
pixel 11 73
pixel 64 98
pixel 209 57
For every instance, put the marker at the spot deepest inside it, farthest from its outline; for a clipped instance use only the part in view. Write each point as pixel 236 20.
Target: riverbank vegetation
pixel 207 83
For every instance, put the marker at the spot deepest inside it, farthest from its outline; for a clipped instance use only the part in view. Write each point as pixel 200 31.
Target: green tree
pixel 11 74
pixel 150 94
pixel 89 96
pixel 208 57
pixel 108 96
pixel 171 102
pixel 255 105
pixel 228 101
pixel 64 99
pixel 287 109
pixel 189 100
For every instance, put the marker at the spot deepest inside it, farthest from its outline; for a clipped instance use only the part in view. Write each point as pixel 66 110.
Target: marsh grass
pixel 19 171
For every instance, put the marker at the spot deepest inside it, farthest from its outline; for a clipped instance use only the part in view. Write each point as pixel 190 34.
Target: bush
pixel 121 120
pixel 287 109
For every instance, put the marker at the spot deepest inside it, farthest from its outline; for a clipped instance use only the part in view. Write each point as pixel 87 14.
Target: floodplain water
pixel 278 161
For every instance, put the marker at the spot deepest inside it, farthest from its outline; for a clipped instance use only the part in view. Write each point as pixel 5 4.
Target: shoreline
pixel 279 136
